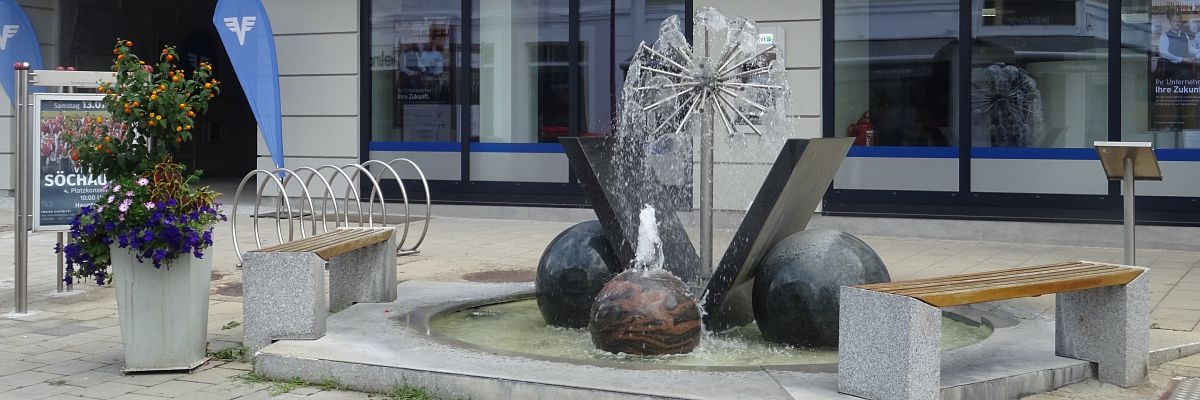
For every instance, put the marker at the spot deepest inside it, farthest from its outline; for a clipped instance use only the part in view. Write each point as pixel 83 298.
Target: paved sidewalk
pixel 71 346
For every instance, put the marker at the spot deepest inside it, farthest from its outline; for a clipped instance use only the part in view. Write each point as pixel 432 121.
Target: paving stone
pixel 111 356
pixel 56 356
pixel 205 396
pixel 106 391
pixel 236 388
pixel 91 314
pixel 101 322
pixel 214 375
pixel 173 388
pixel 133 396
pixel 39 391
pixel 65 330
pixel 70 367
pixel 14 366
pixel 338 395
pixel 148 379
pixel 89 378
pixel 25 339
pixel 26 378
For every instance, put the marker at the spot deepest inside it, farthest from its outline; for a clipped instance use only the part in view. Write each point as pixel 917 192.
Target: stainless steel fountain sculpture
pixel 694 87
pixel 673 97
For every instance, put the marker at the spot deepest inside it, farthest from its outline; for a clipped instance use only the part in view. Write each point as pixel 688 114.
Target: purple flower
pixel 172 203
pixel 143 182
pixel 129 193
pixel 123 207
pixel 117 188
pixel 110 198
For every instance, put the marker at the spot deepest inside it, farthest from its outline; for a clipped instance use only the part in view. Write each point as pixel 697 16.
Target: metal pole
pixel 60 262
pixel 706 184
pixel 1127 185
pixel 22 196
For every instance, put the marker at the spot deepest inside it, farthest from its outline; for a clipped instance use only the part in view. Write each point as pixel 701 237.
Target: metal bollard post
pixel 21 240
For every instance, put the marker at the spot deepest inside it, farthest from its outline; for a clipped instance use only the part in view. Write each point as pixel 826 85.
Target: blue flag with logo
pixel 246 33
pixel 18 43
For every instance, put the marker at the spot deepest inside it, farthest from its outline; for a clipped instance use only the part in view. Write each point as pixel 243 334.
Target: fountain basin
pixel 373 347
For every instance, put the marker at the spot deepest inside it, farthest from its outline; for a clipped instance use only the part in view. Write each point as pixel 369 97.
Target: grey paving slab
pixel 70 367
pixel 13 366
pixel 106 391
pixel 26 378
pixel 214 375
pixel 54 356
pixel 173 388
pixel 38 391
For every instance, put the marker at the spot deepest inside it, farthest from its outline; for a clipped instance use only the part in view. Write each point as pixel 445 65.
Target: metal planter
pixel 163 312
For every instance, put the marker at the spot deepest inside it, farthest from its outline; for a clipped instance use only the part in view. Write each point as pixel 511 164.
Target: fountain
pixel 625 303
pixel 672 99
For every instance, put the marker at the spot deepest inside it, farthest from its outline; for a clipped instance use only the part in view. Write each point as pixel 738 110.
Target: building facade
pixel 977 109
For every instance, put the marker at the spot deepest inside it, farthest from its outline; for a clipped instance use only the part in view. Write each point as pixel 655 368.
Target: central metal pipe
pixel 706 184
pixel 1130 232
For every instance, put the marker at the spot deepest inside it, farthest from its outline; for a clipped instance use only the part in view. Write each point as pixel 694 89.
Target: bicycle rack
pixel 290 179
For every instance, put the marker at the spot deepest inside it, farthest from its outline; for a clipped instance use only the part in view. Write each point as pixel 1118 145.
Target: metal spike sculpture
pixel 675 87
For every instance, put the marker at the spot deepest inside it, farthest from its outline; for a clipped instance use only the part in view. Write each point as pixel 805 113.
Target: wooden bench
pixel 284 285
pixel 890 333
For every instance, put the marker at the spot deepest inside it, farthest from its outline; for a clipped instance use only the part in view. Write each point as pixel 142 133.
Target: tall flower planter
pixel 163 312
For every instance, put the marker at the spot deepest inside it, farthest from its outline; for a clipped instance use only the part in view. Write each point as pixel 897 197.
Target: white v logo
pixel 240 29
pixel 8 32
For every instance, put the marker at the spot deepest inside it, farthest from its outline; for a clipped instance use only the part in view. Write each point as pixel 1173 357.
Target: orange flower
pixel 178 128
pixel 191 114
pixel 128 43
pixel 170 57
pixel 99 120
pixel 107 139
pixel 151 123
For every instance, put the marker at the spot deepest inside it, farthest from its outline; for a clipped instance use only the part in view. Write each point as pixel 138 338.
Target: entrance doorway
pixel 225 141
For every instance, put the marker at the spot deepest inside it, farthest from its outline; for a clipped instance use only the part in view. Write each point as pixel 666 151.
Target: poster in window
pixel 1174 66
pixel 423 73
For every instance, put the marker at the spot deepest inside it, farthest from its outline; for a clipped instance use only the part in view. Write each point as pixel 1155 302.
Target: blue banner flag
pixel 246 33
pixel 18 43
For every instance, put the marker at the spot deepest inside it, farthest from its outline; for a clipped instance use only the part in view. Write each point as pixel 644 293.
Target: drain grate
pixel 1188 389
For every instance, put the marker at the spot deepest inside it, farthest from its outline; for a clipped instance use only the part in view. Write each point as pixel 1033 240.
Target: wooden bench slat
pixel 307 243
pixel 330 244
pixel 1003 292
pixel 1008 282
pixel 889 285
pixel 358 242
pixel 325 240
pixel 1045 274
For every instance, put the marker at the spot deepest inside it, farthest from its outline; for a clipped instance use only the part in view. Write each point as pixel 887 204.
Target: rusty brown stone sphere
pixel 645 313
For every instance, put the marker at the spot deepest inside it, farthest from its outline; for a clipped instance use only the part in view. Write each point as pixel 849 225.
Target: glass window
pixel 524 71
pixel 894 72
pixel 1160 93
pixel 1039 73
pixel 413 62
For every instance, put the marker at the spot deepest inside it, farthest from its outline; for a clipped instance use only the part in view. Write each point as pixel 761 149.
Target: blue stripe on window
pixel 1178 154
pixel 415 146
pixel 903 152
pixel 1034 153
pixel 516 148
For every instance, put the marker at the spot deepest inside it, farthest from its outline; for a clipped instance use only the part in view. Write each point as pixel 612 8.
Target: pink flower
pixel 117 188
pixel 110 199
pixel 149 205
pixel 121 217
pixel 143 182
pixel 123 207
pixel 129 193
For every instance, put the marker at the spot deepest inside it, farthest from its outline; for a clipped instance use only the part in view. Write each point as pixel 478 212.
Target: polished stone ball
pixel 645 312
pixel 797 284
pixel 573 268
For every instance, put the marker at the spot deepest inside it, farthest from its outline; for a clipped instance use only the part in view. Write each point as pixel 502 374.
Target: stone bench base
pixel 284 292
pixel 889 346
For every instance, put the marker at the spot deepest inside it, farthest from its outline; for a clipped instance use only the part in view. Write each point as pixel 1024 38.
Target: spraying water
pixel 649 254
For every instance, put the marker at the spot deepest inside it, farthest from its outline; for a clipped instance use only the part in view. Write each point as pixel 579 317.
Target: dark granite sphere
pixel 797 284
pixel 574 267
pixel 645 312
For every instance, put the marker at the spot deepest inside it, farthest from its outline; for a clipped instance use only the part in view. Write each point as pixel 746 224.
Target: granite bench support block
pixel 1109 326
pixel 366 275
pixel 283 297
pixel 889 346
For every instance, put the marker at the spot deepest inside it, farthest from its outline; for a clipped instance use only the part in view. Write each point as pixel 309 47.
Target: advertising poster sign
pixel 1174 66
pixel 62 188
pixel 422 75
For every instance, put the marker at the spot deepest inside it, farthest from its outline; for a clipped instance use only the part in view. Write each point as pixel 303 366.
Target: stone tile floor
pixel 70 347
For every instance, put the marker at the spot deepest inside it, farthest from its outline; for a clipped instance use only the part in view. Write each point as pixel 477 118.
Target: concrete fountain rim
pixel 418 322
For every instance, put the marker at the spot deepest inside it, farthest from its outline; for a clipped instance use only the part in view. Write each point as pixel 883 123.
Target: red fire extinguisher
pixel 862 131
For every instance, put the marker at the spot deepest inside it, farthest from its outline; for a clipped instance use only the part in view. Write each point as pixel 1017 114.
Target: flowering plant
pixel 148 205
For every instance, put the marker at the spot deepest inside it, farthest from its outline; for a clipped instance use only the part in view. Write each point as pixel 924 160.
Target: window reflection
pixel 894 72
pixel 413 62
